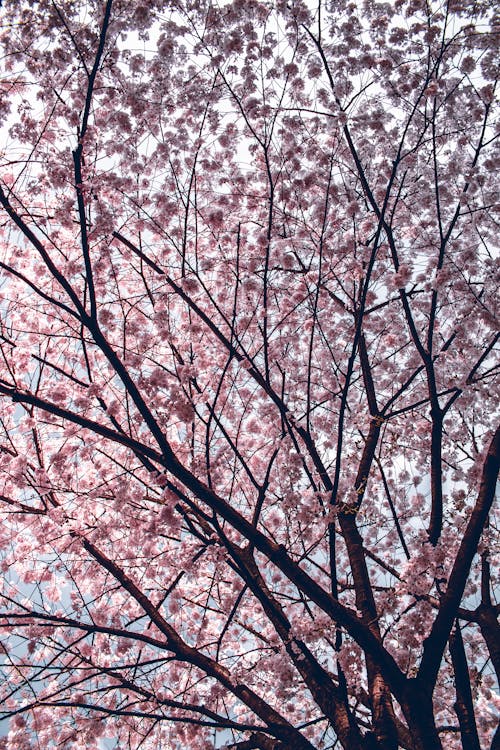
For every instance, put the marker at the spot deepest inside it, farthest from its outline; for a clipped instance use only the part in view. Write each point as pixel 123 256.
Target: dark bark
pixel 418 710
pixel 487 616
pixel 435 643
pixel 490 630
pixel 278 726
pixel 464 707
pixel 436 520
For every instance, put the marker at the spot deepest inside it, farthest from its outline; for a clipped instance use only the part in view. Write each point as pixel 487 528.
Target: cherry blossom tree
pixel 249 440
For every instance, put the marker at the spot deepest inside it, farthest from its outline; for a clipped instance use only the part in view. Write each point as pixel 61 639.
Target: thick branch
pixel 435 643
pixel 463 706
pixel 277 724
